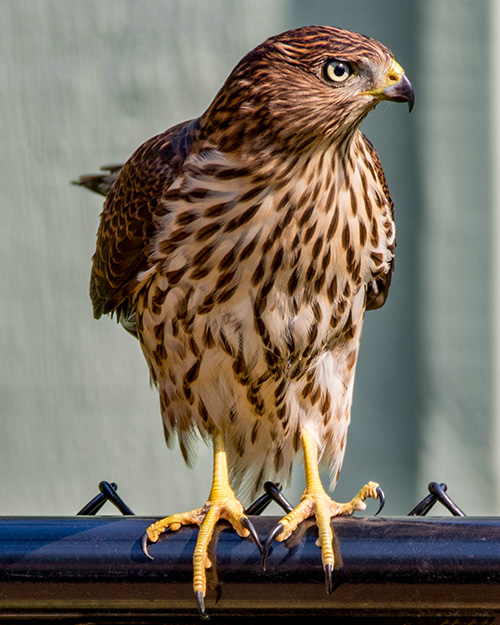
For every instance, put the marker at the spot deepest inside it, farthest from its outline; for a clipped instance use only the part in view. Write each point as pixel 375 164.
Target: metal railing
pixel 92 569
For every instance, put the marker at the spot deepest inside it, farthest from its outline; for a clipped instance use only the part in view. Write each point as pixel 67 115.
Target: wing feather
pixel 378 290
pixel 128 220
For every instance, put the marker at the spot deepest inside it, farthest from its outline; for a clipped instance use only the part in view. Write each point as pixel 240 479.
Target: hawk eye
pixel 338 71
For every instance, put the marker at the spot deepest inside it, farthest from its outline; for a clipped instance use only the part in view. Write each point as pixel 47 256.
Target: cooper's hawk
pixel 242 249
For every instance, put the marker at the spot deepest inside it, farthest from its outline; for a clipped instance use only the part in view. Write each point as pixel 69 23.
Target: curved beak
pixel 402 91
pixel 396 87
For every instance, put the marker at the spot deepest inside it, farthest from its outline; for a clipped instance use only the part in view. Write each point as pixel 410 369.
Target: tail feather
pixel 100 183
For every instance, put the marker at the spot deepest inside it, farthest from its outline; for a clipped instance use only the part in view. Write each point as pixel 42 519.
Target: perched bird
pixel 242 249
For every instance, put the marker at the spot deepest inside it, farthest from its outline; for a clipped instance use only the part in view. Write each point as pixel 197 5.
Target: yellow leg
pixel 315 501
pixel 221 504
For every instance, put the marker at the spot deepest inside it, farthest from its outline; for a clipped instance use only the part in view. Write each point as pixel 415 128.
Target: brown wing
pixel 128 219
pixel 378 289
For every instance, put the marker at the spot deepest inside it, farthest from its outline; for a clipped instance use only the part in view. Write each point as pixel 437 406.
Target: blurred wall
pixel 83 84
pixel 455 273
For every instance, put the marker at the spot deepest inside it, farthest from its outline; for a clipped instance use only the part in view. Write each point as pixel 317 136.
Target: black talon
pixel 267 545
pixel 253 534
pixel 329 578
pixel 144 546
pixel 200 601
pixel 381 497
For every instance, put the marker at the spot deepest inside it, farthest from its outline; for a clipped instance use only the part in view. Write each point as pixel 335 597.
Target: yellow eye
pixel 338 71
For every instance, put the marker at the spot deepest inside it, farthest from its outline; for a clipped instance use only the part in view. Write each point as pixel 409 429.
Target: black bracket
pixel 272 492
pixel 437 493
pixel 107 493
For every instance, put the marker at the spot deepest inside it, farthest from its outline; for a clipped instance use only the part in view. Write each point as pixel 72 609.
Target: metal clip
pixel 108 493
pixel 272 493
pixel 437 493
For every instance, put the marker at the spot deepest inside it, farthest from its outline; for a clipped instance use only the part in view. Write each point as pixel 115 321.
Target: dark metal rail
pixel 89 569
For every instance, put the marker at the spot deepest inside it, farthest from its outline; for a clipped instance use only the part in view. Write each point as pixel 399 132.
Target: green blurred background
pixel 82 84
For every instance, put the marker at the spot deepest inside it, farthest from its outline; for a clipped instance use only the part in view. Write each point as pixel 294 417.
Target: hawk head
pixel 308 85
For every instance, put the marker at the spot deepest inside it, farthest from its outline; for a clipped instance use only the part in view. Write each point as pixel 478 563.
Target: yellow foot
pixel 221 504
pixel 315 502
pixel 319 504
pixel 228 508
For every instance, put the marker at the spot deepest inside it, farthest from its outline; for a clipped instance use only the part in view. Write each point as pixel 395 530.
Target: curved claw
pixel 144 546
pixel 329 578
pixel 381 496
pixel 253 534
pixel 267 545
pixel 200 601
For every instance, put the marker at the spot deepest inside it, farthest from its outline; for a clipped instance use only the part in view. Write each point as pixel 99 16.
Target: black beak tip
pixel 411 101
pixel 402 91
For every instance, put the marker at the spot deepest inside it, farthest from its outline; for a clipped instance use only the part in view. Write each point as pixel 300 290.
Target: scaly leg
pixel 221 504
pixel 315 501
